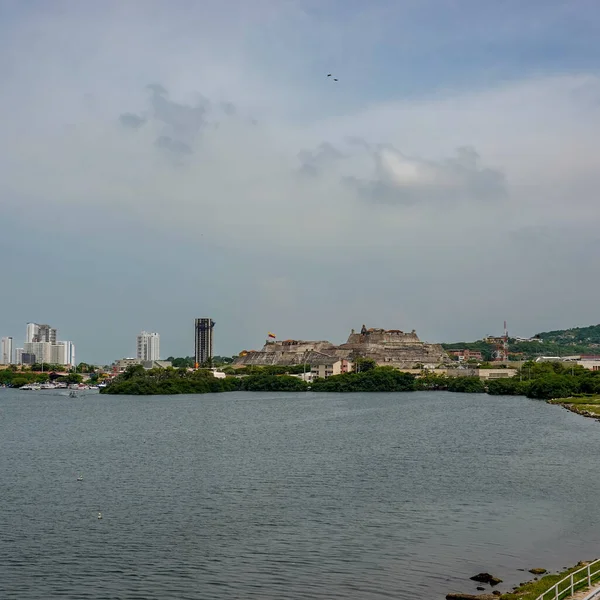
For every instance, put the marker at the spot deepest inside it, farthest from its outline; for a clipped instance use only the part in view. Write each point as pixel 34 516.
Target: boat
pixel 31 386
pixel 72 394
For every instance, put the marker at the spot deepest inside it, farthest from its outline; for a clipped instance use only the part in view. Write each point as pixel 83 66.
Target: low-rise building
pixel 466 354
pixel 329 366
pixel 484 374
pixel 593 364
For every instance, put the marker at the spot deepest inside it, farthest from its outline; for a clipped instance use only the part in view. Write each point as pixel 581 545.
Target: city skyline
pixel 442 183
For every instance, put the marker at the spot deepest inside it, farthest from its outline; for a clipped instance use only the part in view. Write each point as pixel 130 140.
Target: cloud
pixel 399 179
pixel 131 120
pixel 210 136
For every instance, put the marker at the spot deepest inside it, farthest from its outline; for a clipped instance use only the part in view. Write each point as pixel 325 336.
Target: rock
pixel 486 578
pixel 459 596
pixel 480 589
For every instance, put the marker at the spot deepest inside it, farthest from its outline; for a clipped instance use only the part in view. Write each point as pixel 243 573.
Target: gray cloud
pixel 131 120
pixel 175 146
pixel 317 161
pixel 395 178
pixel 401 179
pixel 179 124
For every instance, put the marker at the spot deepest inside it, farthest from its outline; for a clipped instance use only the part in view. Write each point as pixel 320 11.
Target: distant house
pixel 466 354
pixel 329 366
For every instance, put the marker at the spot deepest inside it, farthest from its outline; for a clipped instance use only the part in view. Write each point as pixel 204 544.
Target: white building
pixel 148 346
pixel 63 353
pixel 41 350
pixel 19 356
pixel 330 366
pixel 32 331
pixel 6 351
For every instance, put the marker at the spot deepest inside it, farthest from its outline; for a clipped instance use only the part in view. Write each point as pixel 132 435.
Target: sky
pixel 162 161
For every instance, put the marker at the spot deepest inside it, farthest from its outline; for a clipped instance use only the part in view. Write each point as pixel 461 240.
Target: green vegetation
pixel 19 378
pixel 533 589
pixel 187 362
pixel 378 379
pixel 14 378
pixel 542 381
pixel 562 342
pixel 136 381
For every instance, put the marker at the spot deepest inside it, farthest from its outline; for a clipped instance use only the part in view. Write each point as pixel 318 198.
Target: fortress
pixel 390 347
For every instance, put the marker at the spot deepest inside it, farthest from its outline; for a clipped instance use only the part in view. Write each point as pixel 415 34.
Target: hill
pixel 561 342
pixel 575 335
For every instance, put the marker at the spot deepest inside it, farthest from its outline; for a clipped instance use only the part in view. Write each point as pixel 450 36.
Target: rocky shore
pixel 528 590
pixel 585 407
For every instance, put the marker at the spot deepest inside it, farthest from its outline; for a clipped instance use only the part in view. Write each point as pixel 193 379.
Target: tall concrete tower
pixel 203 347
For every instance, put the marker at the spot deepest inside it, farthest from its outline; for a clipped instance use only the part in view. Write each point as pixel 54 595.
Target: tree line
pixel 534 380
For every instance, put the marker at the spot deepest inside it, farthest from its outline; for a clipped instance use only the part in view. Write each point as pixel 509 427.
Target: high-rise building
pixel 41 350
pixel 40 333
pixel 19 356
pixel 6 351
pixel 148 346
pixel 203 350
pixel 32 330
pixel 46 334
pixel 63 353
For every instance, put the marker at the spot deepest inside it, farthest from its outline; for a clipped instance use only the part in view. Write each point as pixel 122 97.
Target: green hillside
pixel 562 342
pixel 576 335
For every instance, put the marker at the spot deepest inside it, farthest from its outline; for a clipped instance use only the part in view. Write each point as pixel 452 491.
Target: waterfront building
pixel 41 350
pixel 148 346
pixel 6 351
pixel 203 341
pixel 19 356
pixel 330 366
pixel 27 359
pixel 63 353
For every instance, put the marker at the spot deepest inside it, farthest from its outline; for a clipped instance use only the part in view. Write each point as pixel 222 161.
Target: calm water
pixel 261 496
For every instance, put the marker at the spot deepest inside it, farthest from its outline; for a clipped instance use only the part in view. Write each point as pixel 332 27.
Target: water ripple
pixel 261 497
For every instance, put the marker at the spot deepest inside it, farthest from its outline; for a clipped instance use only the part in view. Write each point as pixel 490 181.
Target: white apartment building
pixel 32 331
pixel 148 346
pixel 63 353
pixel 6 351
pixel 41 350
pixel 19 356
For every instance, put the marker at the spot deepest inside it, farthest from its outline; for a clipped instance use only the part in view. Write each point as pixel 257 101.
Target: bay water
pixel 289 496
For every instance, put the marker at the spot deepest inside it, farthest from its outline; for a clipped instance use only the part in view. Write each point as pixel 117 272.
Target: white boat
pixel 31 386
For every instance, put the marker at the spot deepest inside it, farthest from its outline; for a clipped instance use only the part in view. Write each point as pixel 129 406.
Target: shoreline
pixel 588 407
pixel 526 590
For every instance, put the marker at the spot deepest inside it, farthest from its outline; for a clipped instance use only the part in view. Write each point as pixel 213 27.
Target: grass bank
pixel 586 406
pixel 531 590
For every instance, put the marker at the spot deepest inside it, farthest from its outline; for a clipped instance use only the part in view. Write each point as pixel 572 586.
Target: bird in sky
pixel 329 75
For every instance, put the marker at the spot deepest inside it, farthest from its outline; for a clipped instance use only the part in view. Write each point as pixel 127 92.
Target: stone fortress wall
pixel 391 347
